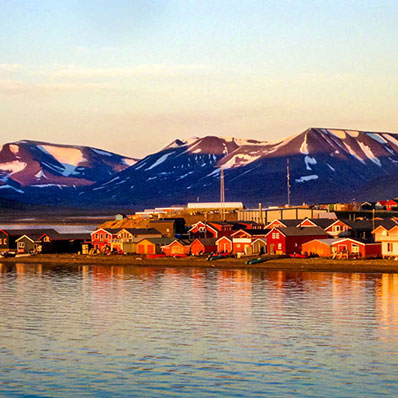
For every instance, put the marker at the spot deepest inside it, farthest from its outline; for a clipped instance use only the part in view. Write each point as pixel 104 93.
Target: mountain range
pixel 326 165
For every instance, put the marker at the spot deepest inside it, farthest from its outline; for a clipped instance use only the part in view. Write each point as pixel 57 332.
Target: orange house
pixel 320 247
pixel 177 247
pixel 152 245
pixel 224 245
pixel 202 246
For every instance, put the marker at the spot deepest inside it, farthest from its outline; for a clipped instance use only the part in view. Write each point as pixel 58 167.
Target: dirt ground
pixel 271 263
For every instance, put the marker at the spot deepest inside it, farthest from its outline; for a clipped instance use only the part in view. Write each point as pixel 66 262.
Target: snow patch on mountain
pixel 304 146
pixel 306 178
pixel 14 149
pixel 377 137
pixel 353 153
pixel 338 133
pixel 13 167
pixel 368 152
pixel 309 161
pixel 159 161
pixel 240 159
pixel 67 155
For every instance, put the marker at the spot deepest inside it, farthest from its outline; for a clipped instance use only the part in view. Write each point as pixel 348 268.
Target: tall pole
pixel 222 194
pixel 288 181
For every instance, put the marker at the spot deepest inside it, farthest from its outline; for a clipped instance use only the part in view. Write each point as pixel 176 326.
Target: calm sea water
pixel 141 331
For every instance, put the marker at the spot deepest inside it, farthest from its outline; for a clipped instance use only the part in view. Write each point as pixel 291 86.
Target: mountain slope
pixel 325 165
pixel 27 165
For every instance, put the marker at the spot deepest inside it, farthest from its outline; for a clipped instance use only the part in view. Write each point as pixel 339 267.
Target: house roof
pixel 207 241
pixel 306 231
pixel 387 223
pixel 328 241
pixel 142 231
pixel 321 222
pixel 159 241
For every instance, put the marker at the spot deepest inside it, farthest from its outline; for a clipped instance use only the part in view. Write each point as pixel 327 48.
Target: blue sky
pixel 130 76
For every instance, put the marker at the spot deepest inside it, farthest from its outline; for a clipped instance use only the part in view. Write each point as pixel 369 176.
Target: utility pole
pixel 222 194
pixel 288 181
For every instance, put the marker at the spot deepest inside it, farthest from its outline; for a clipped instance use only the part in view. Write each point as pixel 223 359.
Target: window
pixel 21 245
pixel 96 236
pixel 273 235
pixel 277 235
pixel 355 248
pixel 279 246
pixel 389 247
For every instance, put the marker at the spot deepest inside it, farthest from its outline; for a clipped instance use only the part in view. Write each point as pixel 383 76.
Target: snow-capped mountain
pixel 325 165
pixel 25 165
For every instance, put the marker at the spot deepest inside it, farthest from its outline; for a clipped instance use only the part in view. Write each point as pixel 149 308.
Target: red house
pixel 224 245
pixel 288 240
pixel 178 247
pixel 201 246
pixel 242 239
pixel 102 238
pixel 353 247
pixel 212 229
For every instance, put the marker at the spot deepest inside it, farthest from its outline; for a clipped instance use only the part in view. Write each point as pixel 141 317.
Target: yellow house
pixel 388 238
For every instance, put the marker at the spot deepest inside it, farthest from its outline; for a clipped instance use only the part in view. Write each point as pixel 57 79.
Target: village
pixel 218 230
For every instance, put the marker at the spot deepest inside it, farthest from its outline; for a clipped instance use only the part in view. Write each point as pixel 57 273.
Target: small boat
pixel 217 257
pixel 298 255
pixel 257 260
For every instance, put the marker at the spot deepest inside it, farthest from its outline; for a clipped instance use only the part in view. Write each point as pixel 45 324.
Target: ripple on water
pixel 195 332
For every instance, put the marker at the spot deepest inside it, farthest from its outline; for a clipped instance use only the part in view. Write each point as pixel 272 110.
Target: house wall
pixel 316 247
pixel 224 246
pixel 147 247
pixel 176 248
pixel 28 245
pixel 389 248
pixel 4 241
pixel 198 247
pixel 294 243
pixel 373 250
pixel 259 247
pixel 241 245
pixel 276 243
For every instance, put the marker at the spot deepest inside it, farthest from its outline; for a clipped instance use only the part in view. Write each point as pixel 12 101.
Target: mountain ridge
pixel 325 165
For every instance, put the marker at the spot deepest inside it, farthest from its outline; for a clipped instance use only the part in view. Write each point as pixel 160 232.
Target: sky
pixel 131 76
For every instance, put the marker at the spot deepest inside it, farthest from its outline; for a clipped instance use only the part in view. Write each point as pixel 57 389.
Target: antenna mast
pixel 288 181
pixel 222 194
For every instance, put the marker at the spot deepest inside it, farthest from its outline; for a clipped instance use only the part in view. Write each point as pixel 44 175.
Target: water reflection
pixel 96 330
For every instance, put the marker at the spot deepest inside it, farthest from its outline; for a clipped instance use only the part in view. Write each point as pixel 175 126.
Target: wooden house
pixel 63 243
pixel 101 238
pixel 179 247
pixel 387 234
pixel 202 246
pixel 213 229
pixel 224 245
pixel 290 239
pixel 242 239
pixel 389 205
pixel 319 247
pixel 259 246
pixel 126 238
pixel 31 242
pixel 152 245
pixel 9 237
pixel 354 247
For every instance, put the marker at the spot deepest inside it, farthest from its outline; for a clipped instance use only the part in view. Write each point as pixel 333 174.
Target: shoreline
pixel 316 264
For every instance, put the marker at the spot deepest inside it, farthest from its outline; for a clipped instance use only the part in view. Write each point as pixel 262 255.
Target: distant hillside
pixel 325 165
pixel 32 168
